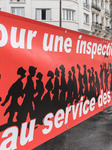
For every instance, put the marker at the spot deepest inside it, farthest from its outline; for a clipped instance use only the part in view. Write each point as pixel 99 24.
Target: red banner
pixel 51 79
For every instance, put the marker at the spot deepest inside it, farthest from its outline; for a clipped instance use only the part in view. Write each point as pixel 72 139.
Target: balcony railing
pixel 107 29
pixel 95 6
pixel 86 5
pixel 96 25
pixel 17 0
pixel 107 12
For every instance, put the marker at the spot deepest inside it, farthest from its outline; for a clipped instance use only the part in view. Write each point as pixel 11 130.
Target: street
pixel 92 134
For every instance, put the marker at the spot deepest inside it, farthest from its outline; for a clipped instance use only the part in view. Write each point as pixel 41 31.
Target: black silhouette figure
pixel 97 84
pixel 15 91
pixel 29 92
pixel 93 83
pixel 70 88
pixel 90 85
pixel 110 77
pixel 46 102
pixel 63 87
pixel 85 82
pixel 81 87
pixel 101 76
pixel 55 91
pixel 38 101
pixel 75 92
pixel 106 70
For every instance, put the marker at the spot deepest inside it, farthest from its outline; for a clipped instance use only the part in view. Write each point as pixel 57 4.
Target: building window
pixel 95 2
pixel 86 18
pixel 102 3
pixel 93 17
pixel 43 14
pixel 106 5
pixel 85 1
pixel 18 11
pixel 86 4
pixel 68 14
pixel 107 12
pixel 102 21
pixel 107 22
pixel 97 18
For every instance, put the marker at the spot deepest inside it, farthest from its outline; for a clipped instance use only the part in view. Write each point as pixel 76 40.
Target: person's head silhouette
pixel 32 71
pixel 39 75
pixel 21 71
pixel 62 68
pixel 50 74
pixel 57 72
pixel 73 69
pixel 69 74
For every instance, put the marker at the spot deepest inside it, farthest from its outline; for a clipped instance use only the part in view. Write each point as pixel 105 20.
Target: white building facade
pixel 87 16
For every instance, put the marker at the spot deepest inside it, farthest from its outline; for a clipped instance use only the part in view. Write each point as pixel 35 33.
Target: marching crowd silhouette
pixel 57 93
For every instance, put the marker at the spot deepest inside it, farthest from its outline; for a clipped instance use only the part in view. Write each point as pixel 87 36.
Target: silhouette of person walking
pixel 39 89
pixel 55 91
pixel 93 83
pixel 81 87
pixel 106 70
pixel 38 101
pixel 46 102
pixel 101 76
pixel 110 77
pixel 63 87
pixel 97 83
pixel 90 85
pixel 15 91
pixel 70 86
pixel 85 82
pixel 29 92
pixel 75 92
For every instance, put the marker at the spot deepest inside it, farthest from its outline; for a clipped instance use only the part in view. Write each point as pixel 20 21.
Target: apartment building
pixel 101 18
pixel 87 16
